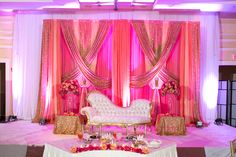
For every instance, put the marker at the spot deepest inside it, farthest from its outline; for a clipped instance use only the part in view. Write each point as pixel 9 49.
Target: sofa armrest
pixel 89 112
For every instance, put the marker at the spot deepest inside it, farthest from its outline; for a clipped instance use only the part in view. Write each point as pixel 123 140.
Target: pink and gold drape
pixel 49 103
pixel 189 71
pixel 121 63
pixel 120 58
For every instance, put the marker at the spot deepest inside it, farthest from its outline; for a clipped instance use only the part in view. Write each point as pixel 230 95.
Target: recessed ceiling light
pixel 137 1
pixel 102 1
pixel 144 1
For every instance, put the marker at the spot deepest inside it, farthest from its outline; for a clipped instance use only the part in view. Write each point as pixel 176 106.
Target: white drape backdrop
pixel 209 59
pixel 27 52
pixel 26 65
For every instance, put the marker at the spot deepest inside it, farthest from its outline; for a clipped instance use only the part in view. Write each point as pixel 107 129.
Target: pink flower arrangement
pixel 170 87
pixel 69 86
pixel 112 146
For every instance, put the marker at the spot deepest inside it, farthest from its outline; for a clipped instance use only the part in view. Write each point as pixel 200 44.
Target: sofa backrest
pixel 141 107
pixel 104 106
pixel 101 103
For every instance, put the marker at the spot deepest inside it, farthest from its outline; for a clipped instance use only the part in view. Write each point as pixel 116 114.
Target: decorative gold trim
pixel 117 124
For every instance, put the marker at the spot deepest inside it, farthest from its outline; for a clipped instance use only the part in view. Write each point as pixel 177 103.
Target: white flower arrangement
pixel 140 138
pixel 107 136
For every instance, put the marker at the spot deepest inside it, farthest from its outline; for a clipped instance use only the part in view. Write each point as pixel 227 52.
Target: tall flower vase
pixel 71 103
pixel 172 103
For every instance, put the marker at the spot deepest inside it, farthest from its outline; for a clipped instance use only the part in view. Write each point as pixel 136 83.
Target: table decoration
pixel 154 144
pixel 107 138
pixel 113 146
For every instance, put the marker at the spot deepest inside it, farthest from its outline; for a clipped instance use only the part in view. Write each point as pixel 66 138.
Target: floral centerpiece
pixel 170 87
pixel 69 86
pixel 106 138
pixel 139 141
pixel 108 146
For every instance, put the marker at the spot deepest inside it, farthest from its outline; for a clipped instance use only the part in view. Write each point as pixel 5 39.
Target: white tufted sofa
pixel 104 112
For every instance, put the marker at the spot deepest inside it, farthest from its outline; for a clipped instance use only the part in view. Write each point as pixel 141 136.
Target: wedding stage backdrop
pixel 121 58
pixel 125 59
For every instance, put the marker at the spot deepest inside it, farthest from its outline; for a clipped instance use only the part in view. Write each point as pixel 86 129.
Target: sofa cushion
pixel 120 119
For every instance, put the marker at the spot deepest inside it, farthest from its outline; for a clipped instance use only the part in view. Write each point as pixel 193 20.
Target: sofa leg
pixel 135 129
pixel 145 130
pixel 91 128
pixel 82 129
pixel 100 130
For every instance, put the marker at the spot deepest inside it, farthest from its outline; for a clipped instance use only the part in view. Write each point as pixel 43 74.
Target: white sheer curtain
pixel 27 52
pixel 209 59
pixel 26 64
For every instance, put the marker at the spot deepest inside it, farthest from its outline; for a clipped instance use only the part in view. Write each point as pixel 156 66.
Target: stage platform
pixel 211 138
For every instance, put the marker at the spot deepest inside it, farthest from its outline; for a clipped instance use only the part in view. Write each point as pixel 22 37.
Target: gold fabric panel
pixel 67 125
pixel 168 125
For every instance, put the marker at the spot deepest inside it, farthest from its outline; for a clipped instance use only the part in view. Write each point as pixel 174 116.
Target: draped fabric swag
pixel 124 59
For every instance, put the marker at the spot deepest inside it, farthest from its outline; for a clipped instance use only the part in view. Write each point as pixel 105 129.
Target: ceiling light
pixel 137 1
pixel 125 1
pixel 144 1
pixel 67 5
pixel 102 1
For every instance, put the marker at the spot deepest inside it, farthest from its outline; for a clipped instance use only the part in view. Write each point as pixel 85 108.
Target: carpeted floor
pixel 211 141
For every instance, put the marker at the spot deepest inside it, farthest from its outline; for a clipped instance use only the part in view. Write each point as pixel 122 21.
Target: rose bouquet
pixel 170 87
pixel 69 86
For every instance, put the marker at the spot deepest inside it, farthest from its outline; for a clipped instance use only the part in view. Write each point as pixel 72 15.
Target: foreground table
pixel 61 149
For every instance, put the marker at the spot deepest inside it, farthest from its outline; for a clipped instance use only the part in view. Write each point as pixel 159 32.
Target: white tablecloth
pixel 61 149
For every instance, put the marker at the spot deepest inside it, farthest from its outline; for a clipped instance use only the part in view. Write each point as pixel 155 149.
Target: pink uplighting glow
pixel 67 5
pixel 126 95
pixel 48 96
pixel 7 10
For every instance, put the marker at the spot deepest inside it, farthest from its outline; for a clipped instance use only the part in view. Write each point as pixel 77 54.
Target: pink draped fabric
pixel 151 35
pixel 189 71
pixel 186 65
pixel 172 34
pixel 58 44
pixel 121 63
pixel 90 36
pixel 137 67
pixel 104 62
pixel 49 103
pixel 70 39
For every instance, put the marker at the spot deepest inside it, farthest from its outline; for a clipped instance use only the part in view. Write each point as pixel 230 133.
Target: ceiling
pixel 202 5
